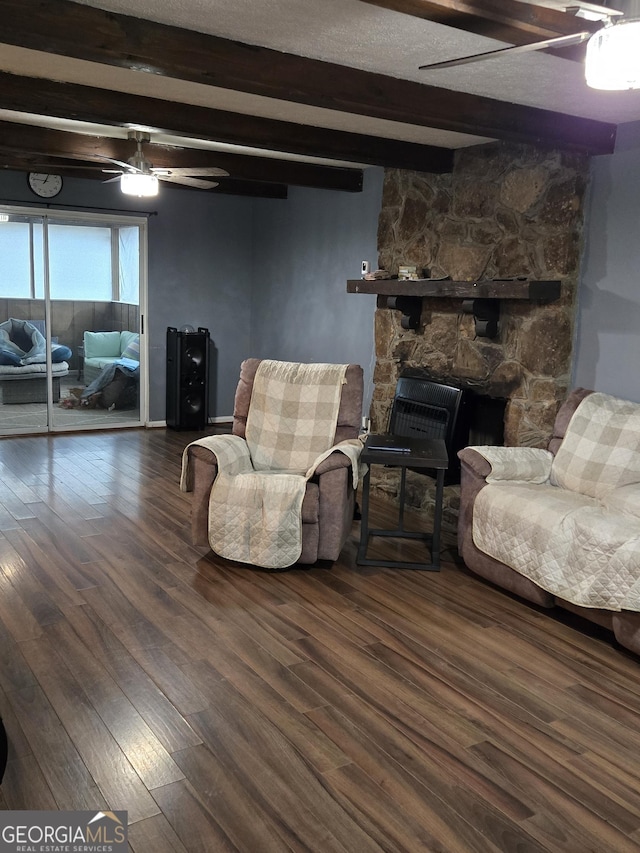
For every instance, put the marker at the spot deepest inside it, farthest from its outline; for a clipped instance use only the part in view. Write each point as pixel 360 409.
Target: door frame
pixel 48 215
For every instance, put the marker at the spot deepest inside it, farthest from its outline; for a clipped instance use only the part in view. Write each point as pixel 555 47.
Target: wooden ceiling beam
pixel 45 144
pixel 120 109
pixel 84 32
pixel 255 189
pixel 510 21
pixel 68 169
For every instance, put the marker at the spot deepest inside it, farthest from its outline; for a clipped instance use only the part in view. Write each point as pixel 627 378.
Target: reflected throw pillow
pixel 59 353
pixel 132 350
pixel 9 358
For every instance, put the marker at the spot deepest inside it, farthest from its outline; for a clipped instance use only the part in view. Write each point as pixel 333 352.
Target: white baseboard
pixel 212 421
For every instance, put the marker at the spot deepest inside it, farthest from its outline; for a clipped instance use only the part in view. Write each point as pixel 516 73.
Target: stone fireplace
pixel 505 211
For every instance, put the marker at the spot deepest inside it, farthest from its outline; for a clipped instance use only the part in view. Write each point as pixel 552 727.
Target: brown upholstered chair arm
pixel 204 471
pixel 475 464
pixel 333 462
pixel 474 468
pixel 336 502
pixel 203 453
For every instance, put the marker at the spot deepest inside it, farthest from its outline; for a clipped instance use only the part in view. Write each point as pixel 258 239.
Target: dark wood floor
pixel 227 709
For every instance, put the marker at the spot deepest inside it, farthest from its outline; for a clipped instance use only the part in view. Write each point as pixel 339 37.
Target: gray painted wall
pixel 199 271
pixel 266 277
pixel 199 251
pixel 305 249
pixel 608 324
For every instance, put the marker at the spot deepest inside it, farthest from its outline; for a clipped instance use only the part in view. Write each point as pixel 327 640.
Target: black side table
pixel 399 452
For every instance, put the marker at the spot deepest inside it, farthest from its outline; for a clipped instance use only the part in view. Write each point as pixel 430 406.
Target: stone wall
pixel 505 211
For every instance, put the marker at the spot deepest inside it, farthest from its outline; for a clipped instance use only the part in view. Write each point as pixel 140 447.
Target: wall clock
pixel 45 186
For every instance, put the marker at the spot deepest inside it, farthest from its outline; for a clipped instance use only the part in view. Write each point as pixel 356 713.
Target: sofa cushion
pixel 510 520
pixel 130 345
pixel 601 448
pixel 625 499
pixel 101 345
pixel 564 542
pixel 100 362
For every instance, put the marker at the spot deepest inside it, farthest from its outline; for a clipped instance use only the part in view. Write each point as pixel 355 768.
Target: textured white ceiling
pixel 360 35
pixel 16 60
pixel 347 32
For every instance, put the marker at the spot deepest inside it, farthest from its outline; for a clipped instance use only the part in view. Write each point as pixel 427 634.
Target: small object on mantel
pixel 377 274
pixel 411 272
pixel 408 272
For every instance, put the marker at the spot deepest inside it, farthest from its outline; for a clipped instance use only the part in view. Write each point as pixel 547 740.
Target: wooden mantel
pixel 542 291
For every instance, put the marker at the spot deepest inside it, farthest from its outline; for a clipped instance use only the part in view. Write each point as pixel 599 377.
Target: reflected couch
pixel 23 362
pixel 104 348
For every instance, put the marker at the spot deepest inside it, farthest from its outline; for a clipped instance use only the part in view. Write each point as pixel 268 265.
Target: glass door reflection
pixel 25 375
pixel 102 389
pixel 70 319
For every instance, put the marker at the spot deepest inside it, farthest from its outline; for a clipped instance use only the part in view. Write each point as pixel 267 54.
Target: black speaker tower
pixel 188 379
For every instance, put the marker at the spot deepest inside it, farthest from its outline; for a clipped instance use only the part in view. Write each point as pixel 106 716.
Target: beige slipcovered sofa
pixel 562 526
pixel 328 505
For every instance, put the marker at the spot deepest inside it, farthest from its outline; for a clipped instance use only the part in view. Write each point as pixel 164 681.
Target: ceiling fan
pixel 613 52
pixel 138 176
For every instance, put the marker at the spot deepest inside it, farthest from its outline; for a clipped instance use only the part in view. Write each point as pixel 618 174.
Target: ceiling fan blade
pixel 126 166
pixel 112 180
pixel 190 172
pixel 560 41
pixel 189 182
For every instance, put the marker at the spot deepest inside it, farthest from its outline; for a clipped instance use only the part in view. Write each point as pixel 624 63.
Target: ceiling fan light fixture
pixel 613 57
pixel 139 184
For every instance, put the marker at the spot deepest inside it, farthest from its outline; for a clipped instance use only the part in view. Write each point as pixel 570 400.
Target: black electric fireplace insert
pixel 426 408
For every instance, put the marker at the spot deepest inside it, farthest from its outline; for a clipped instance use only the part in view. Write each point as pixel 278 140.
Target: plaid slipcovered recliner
pixel 328 505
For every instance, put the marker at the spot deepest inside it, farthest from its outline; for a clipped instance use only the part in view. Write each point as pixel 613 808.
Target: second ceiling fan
pixel 138 176
pixel 613 50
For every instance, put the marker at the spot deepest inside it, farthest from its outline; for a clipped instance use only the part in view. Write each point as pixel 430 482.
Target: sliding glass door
pixel 72 291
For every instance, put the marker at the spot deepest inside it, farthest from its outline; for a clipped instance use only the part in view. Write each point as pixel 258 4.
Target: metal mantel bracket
pixel 486 313
pixel 411 307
